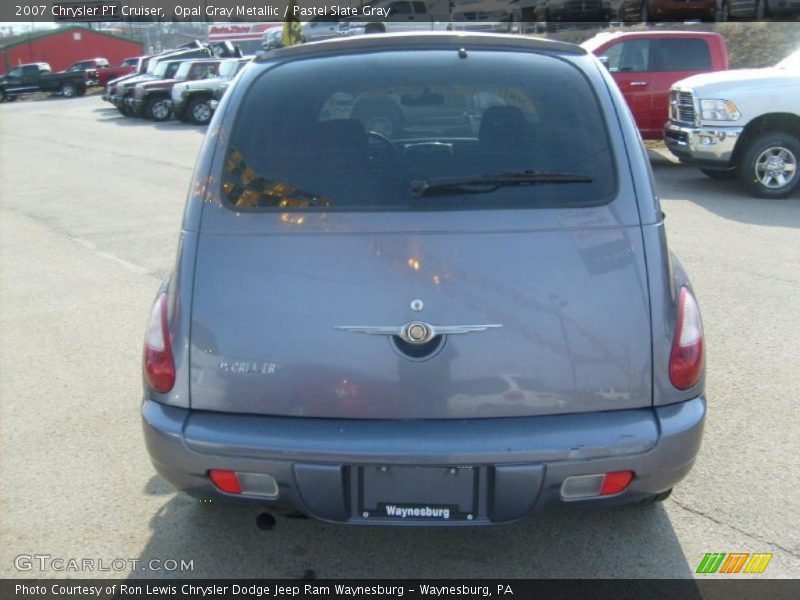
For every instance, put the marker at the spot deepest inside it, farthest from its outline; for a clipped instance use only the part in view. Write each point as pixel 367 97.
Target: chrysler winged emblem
pixel 418 332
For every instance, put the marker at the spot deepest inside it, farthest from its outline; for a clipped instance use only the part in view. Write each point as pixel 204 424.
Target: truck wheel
pixel 719 175
pixel 157 109
pixel 768 165
pixel 68 90
pixel 199 111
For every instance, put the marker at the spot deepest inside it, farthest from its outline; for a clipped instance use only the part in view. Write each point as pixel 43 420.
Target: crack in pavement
pixel 754 536
pixel 85 243
pixel 105 151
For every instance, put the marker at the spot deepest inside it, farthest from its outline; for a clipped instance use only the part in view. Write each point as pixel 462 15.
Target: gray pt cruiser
pixel 423 279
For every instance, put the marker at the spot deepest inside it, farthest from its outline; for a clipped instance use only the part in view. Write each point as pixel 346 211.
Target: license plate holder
pixel 416 493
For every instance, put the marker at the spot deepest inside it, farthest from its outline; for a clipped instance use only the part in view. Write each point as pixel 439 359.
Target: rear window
pixel 681 55
pixel 419 130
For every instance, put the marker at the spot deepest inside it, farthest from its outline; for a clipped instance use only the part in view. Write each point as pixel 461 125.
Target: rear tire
pixel 68 90
pixel 769 164
pixel 157 109
pixel 719 175
pixel 199 112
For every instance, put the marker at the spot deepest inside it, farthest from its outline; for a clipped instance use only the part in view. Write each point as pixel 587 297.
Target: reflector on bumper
pixel 590 486
pixel 249 484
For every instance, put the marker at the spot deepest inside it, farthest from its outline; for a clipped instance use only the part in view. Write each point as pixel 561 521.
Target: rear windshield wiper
pixel 482 184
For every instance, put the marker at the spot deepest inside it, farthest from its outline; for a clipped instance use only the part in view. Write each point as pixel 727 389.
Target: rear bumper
pixel 521 462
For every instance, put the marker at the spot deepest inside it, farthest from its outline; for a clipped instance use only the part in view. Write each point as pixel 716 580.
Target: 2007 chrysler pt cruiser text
pixel 424 279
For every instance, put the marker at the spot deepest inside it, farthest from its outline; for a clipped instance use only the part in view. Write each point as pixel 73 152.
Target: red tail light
pixel 227 481
pixel 686 358
pixel 159 367
pixel 614 483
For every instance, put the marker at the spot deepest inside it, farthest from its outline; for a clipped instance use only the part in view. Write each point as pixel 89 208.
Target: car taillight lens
pixel 614 483
pixel 227 481
pixel 580 487
pixel 686 358
pixel 159 367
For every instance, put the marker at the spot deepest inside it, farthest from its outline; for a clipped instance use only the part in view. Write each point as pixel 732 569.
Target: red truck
pixel 98 71
pixel 645 64
pixel 126 67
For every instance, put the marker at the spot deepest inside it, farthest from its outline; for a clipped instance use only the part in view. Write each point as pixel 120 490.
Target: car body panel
pixel 565 351
pixel 575 382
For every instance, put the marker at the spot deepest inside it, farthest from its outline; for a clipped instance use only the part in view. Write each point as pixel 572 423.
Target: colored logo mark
pixel 734 562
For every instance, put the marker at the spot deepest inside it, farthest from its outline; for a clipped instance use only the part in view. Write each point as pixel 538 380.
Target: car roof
pixel 422 40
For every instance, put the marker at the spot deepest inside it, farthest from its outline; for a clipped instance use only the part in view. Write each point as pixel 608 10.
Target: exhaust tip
pixel 265 521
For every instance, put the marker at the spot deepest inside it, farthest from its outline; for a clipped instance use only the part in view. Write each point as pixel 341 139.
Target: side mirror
pixel 604 60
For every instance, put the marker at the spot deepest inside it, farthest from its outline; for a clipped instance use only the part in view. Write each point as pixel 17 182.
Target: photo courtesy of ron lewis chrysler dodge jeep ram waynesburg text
pixel 369 319
pixel 741 124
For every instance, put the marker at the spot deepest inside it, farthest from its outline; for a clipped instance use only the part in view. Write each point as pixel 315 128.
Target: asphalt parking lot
pixel 91 205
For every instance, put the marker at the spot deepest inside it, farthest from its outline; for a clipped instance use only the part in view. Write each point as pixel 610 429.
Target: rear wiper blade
pixel 482 184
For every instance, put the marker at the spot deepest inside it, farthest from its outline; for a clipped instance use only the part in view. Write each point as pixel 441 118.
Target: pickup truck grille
pixel 681 106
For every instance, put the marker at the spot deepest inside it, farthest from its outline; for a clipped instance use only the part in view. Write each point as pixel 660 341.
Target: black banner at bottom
pixel 332 589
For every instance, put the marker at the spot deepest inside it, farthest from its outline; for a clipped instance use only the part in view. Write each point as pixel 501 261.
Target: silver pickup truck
pixel 742 123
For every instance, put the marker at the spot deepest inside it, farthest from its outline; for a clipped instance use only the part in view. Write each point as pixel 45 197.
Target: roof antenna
pixel 462 53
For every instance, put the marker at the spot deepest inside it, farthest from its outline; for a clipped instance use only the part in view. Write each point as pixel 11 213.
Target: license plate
pixel 408 493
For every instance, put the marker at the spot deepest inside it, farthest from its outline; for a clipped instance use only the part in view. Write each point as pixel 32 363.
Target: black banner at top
pixel 412 12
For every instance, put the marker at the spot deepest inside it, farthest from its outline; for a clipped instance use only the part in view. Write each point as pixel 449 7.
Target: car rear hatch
pixel 315 260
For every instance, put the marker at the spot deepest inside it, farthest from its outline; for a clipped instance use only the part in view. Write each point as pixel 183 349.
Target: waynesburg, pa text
pixel 255 590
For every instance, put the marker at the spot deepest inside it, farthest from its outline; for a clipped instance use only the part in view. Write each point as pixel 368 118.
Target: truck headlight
pixel 719 110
